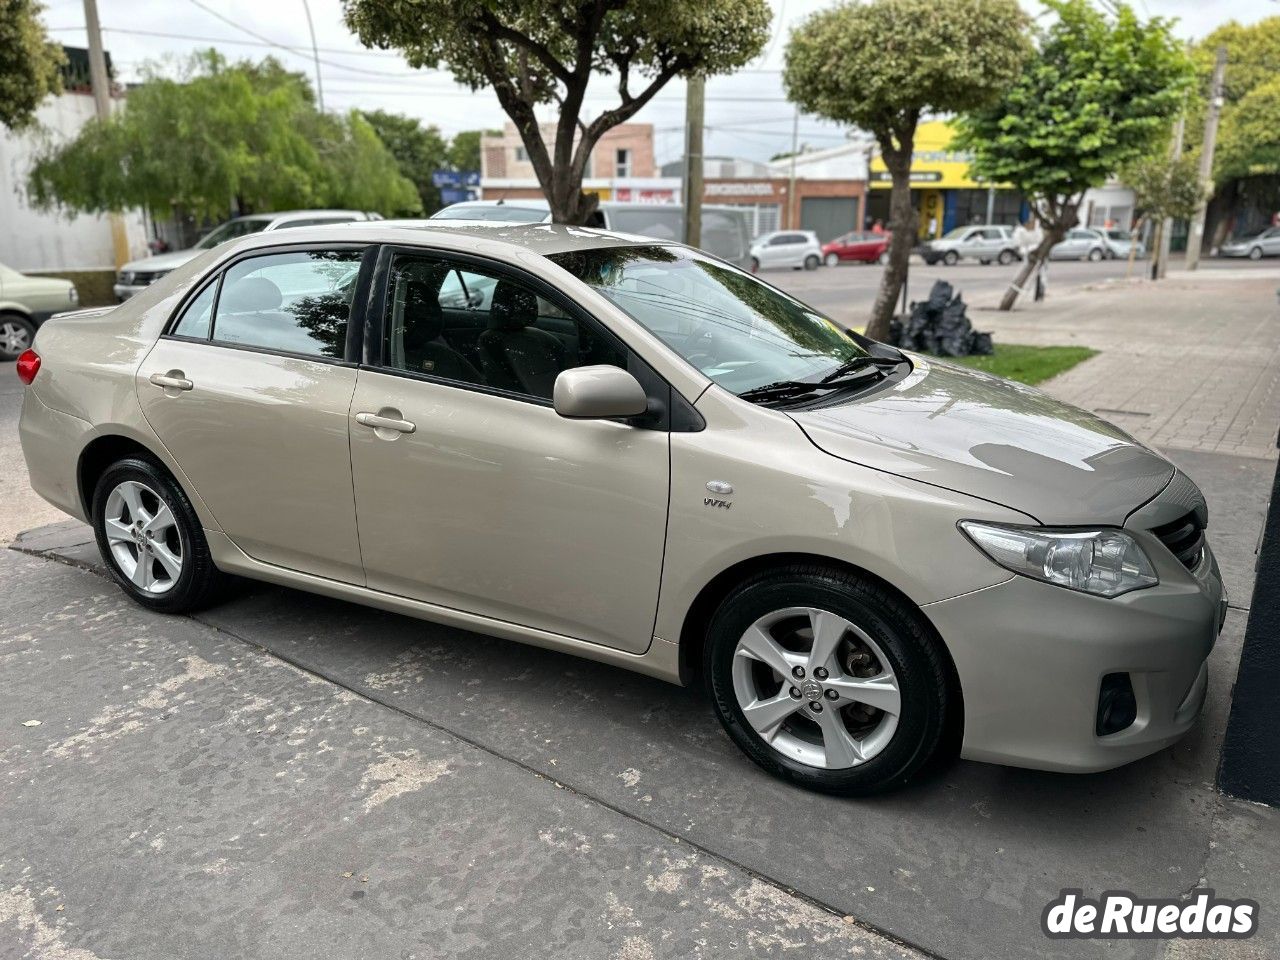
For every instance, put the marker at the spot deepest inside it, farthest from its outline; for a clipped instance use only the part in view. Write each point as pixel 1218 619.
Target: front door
pixel 250 394
pixel 472 492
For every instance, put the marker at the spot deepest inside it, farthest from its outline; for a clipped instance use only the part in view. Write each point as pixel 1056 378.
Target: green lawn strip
pixel 1027 364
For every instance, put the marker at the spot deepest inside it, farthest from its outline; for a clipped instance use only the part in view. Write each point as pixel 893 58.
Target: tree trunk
pixel 902 221
pixel 1052 235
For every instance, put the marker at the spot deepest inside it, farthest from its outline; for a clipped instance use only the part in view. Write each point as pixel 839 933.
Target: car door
pixel 250 390
pixel 477 496
pixel 1271 242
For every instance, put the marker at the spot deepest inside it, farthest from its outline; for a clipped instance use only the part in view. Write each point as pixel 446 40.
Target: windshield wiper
pixel 849 373
pixel 882 364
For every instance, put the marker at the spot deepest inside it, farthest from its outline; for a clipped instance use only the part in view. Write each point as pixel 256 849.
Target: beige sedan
pixel 25 303
pixel 634 452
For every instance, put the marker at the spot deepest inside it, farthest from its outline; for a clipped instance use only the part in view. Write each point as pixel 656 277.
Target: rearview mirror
pixel 598 392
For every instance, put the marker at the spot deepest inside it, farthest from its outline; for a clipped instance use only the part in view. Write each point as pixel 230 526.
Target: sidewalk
pixel 1189 363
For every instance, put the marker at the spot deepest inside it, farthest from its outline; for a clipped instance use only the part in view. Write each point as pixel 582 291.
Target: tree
pixel 217 135
pixel 29 63
pixel 1164 187
pixel 419 151
pixel 884 64
pixel 1097 96
pixel 534 52
pixel 464 149
pixel 1249 143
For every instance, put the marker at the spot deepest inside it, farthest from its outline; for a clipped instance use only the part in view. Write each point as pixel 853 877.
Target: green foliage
pixel 1165 187
pixel 1253 56
pixel 538 51
pixel 29 62
pixel 464 150
pixel 1099 93
pixel 418 151
pixel 881 65
pixel 1249 144
pixel 218 133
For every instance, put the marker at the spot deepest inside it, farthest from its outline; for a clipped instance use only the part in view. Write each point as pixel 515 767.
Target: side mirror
pixel 599 392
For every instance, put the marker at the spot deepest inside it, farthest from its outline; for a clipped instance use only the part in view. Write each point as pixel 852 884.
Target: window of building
pixel 522 155
pixel 622 163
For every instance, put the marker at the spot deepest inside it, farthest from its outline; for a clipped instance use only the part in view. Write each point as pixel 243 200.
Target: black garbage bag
pixel 939 325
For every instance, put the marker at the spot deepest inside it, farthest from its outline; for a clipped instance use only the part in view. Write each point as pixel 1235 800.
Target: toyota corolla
pixel 637 453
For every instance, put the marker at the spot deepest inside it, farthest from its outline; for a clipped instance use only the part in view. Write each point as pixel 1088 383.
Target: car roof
pixel 291 214
pixel 543 239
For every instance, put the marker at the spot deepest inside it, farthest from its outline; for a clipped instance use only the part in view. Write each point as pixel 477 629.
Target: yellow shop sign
pixel 933 163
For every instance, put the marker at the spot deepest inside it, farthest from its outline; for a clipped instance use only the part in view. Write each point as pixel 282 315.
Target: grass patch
pixel 1027 364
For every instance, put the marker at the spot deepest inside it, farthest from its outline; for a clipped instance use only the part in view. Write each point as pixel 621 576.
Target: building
pixel 50 241
pixel 942 192
pixel 621 166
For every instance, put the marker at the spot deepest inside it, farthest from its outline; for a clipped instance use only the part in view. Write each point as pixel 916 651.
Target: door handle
pixel 173 380
pixel 378 422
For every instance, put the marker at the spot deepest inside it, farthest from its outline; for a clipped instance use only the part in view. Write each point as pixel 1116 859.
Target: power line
pixel 163 35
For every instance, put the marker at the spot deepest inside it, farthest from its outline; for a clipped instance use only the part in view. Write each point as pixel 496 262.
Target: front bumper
pixel 1031 657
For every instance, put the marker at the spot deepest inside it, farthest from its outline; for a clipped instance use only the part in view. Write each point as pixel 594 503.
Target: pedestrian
pixel 877 227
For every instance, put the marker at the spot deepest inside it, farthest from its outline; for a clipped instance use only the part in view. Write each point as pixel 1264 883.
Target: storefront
pixel 943 193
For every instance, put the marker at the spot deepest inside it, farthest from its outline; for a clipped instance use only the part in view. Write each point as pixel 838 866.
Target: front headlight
pixel 1106 562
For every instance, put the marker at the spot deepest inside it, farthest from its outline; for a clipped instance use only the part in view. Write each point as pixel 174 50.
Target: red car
pixel 860 247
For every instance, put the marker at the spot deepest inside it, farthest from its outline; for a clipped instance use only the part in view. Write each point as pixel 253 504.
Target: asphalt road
pixel 847 292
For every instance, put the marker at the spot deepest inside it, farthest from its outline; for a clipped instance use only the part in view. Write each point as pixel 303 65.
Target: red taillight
pixel 28 366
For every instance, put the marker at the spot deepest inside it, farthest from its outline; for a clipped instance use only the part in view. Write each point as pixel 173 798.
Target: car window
pixel 736 330
pixel 195 319
pixel 231 230
pixel 472 326
pixel 992 233
pixel 297 302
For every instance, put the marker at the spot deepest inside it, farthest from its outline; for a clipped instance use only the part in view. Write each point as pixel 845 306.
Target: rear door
pixel 250 389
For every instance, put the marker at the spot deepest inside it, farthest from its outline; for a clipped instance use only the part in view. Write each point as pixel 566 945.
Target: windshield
pixel 955 234
pixel 230 231
pixel 500 212
pixel 738 331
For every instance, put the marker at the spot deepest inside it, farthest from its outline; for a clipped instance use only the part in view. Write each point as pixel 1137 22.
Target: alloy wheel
pixel 816 688
pixel 143 537
pixel 14 338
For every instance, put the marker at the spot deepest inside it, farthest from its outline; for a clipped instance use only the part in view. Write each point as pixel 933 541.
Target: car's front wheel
pixel 150 538
pixel 1095 255
pixel 16 335
pixel 1006 257
pixel 828 680
pixel 1255 253
pixel 833 260
pixel 951 258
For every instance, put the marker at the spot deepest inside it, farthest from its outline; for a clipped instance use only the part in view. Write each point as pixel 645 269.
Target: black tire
pixel 812 262
pixel 1095 255
pixel 897 627
pixel 951 258
pixel 1006 257
pixel 200 582
pixel 17 333
pixel 1255 253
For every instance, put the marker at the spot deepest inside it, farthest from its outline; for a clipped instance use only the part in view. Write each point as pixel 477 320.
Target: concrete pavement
pixel 959 866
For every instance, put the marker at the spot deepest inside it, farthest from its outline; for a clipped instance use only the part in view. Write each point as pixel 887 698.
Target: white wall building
pixel 34 240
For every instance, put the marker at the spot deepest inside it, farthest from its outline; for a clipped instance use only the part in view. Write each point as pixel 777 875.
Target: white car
pixel 140 274
pixel 1082 243
pixel 1264 244
pixel 25 303
pixel 983 242
pixel 1121 242
pixel 786 248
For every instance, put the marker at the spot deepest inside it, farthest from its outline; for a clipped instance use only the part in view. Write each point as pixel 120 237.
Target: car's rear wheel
pixel 16 335
pixel 828 680
pixel 1006 257
pixel 1255 253
pixel 951 258
pixel 1095 255
pixel 811 262
pixel 150 538
pixel 883 258
pixel 833 260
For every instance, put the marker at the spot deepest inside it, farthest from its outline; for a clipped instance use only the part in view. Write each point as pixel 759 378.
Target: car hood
pixel 991 438
pixel 162 261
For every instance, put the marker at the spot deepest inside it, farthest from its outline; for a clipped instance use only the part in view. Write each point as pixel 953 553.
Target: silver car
pixel 633 452
pixel 793 249
pixel 1081 243
pixel 984 243
pixel 25 303
pixel 1121 244
pixel 1264 244
pixel 138 274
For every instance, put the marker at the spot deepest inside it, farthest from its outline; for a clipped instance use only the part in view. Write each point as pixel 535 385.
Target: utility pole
pixel 694 112
pixel 315 53
pixel 1165 227
pixel 1196 233
pixel 101 85
pixel 791 184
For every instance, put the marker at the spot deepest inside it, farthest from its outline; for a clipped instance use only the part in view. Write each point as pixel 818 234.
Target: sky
pixel 746 114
